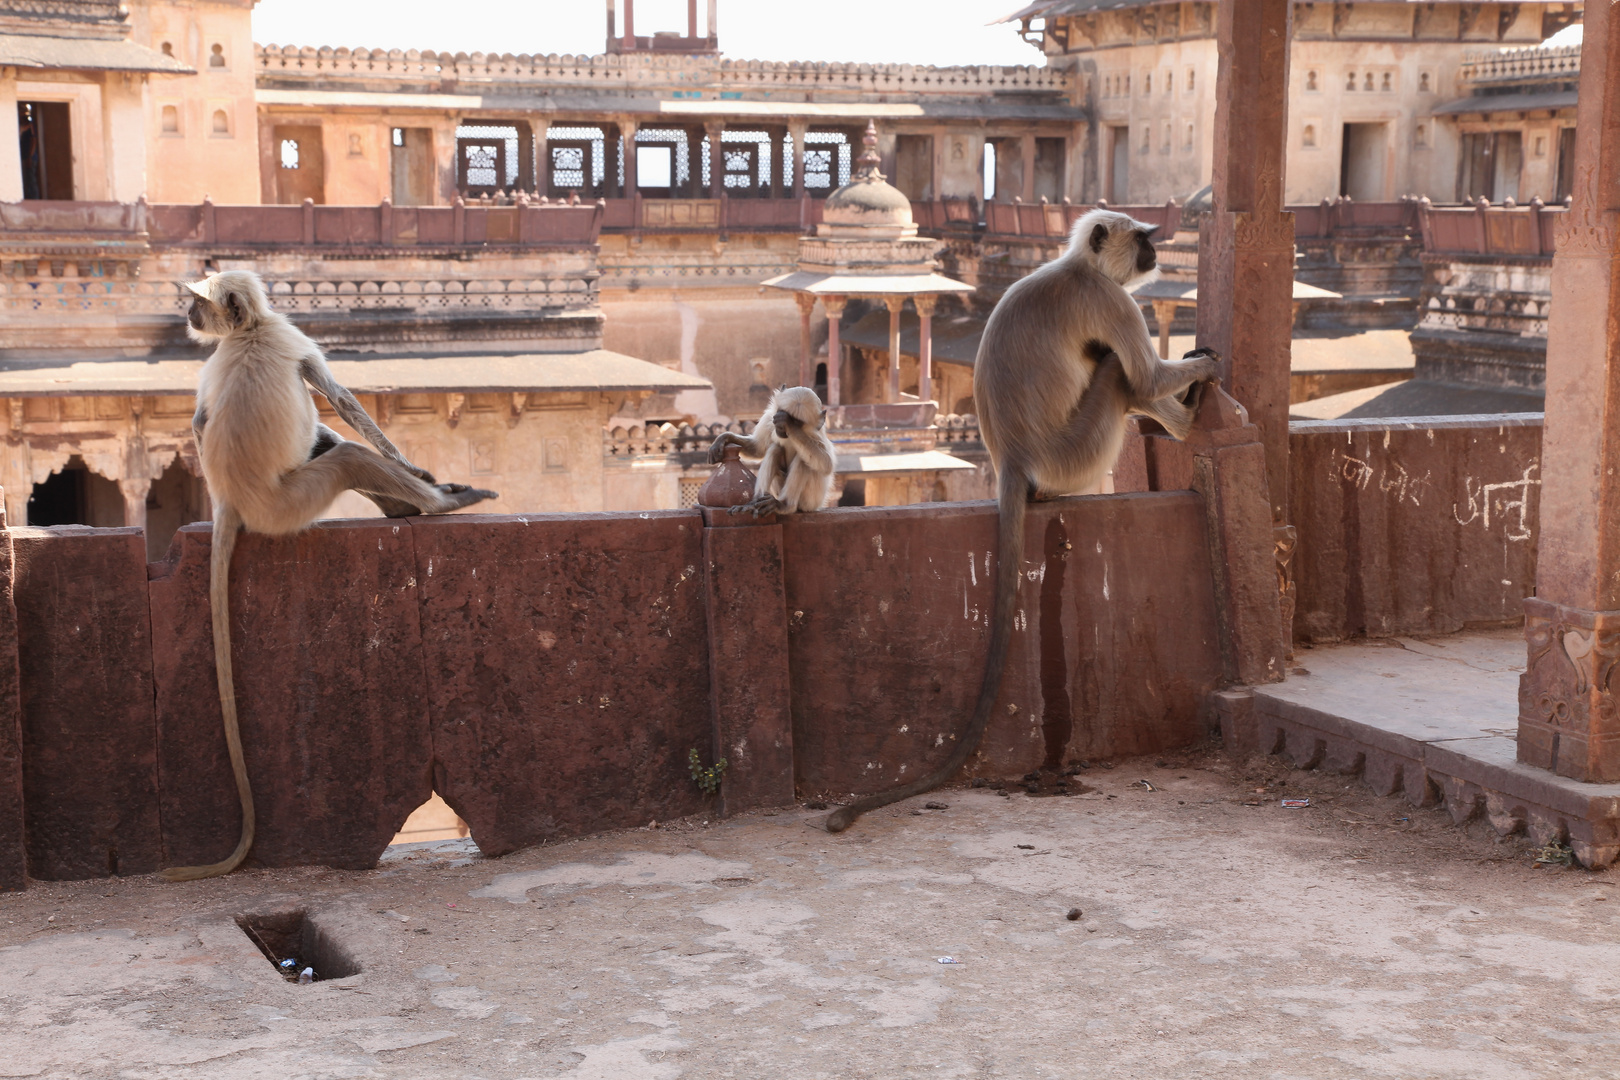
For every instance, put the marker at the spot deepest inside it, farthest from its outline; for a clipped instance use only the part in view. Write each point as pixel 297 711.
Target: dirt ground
pixel 1219 935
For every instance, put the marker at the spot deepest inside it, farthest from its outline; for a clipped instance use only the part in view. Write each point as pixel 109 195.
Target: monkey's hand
pixel 784 422
pixel 717 449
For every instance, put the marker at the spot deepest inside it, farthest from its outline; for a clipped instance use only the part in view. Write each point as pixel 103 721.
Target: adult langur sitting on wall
pixel 1065 357
pixel 272 467
pixel 797 458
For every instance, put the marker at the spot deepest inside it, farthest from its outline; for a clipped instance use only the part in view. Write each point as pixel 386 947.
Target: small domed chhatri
pixel 868 206
pixel 866 247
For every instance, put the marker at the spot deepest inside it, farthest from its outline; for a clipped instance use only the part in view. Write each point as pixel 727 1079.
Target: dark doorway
pixel 412 161
pixel 76 496
pixel 1120 171
pixel 914 166
pixel 45 141
pixel 1566 164
pixel 176 498
pixel 300 164
pixel 1361 161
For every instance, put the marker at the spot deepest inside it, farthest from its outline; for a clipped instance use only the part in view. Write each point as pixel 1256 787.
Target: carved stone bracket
pixel 1569 720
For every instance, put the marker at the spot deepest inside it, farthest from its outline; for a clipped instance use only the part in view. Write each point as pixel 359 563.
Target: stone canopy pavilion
pixel 867 246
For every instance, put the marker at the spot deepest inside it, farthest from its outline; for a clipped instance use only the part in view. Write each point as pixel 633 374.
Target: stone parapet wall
pixel 1422 526
pixel 549 674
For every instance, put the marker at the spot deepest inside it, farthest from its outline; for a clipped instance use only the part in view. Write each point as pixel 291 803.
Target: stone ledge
pixel 1469 776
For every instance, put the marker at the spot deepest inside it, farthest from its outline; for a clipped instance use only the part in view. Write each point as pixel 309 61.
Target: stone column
pixel 895 305
pixel 11 189
pixel 1247 243
pixel 1026 147
pixel 717 166
pixel 925 345
pixel 835 311
pixel 936 164
pixel 807 303
pixel 542 156
pixel 627 133
pixel 1568 720
pixel 797 131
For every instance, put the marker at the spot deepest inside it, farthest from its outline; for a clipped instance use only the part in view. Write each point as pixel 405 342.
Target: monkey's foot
pixel 759 507
pixel 1193 396
pixel 460 495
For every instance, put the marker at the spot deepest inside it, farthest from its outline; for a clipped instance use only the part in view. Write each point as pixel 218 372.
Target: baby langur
pixel 1064 358
pixel 272 467
pixel 796 456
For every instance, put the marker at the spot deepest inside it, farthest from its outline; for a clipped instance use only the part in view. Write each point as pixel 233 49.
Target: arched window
pixel 222 122
pixel 1368 84
pixel 1147 83
pixel 1309 139
pixel 216 56
pixel 1310 80
pixel 171 120
pixel 1169 82
pixel 1386 85
pixel 1189 140
pixel 1350 81
pixel 1423 82
pixel 168 48
pixel 1421 136
pixel 1191 76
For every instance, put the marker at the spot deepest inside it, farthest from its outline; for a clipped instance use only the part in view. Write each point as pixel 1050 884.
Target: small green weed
pixel 707 779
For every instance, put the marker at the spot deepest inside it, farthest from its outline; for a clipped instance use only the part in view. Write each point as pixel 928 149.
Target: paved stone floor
pixel 1222 935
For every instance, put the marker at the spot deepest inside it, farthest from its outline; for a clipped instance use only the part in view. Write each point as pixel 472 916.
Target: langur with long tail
pixel 796 458
pixel 272 467
pixel 1065 357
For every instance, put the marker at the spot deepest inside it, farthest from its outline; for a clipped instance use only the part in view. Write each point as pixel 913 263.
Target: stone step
pixel 1433 720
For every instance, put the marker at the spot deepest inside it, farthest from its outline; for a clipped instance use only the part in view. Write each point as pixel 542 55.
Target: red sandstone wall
pixel 1113 651
pixel 548 674
pixel 1414 527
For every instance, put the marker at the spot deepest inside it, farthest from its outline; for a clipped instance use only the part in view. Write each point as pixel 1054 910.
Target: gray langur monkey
pixel 272 467
pixel 1064 358
pixel 797 458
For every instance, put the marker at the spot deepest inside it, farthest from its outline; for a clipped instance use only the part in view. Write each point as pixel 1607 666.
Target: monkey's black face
pixel 194 316
pixel 784 421
pixel 1146 257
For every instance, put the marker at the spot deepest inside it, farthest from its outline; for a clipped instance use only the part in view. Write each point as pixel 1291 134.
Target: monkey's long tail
pixel 226 525
pixel 1012 498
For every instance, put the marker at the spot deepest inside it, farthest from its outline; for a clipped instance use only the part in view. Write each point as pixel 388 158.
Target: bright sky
pixel 864 31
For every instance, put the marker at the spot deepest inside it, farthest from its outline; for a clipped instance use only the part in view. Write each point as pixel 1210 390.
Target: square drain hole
pixel 297 947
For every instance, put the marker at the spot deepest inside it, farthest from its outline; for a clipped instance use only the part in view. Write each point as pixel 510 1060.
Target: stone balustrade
pixel 617 70
pixel 672 440
pixel 1536 64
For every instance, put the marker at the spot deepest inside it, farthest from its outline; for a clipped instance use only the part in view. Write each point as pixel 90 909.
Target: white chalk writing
pixel 1513 513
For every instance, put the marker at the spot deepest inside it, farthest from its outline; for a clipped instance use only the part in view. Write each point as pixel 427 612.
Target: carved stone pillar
pixel 895 305
pixel 542 156
pixel 1246 257
pixel 1246 262
pixel 713 130
pixel 627 133
pixel 797 130
pixel 1026 148
pixel 807 303
pixel 1569 715
pixel 835 361
pixel 925 345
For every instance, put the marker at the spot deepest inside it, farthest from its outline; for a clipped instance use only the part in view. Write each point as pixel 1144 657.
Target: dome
pixel 868 205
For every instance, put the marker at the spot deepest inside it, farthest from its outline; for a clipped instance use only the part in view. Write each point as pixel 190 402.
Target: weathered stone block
pixel 1385 773
pixel 748 665
pixel 1464 800
pixel 567 669
pixel 329 689
pixel 90 777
